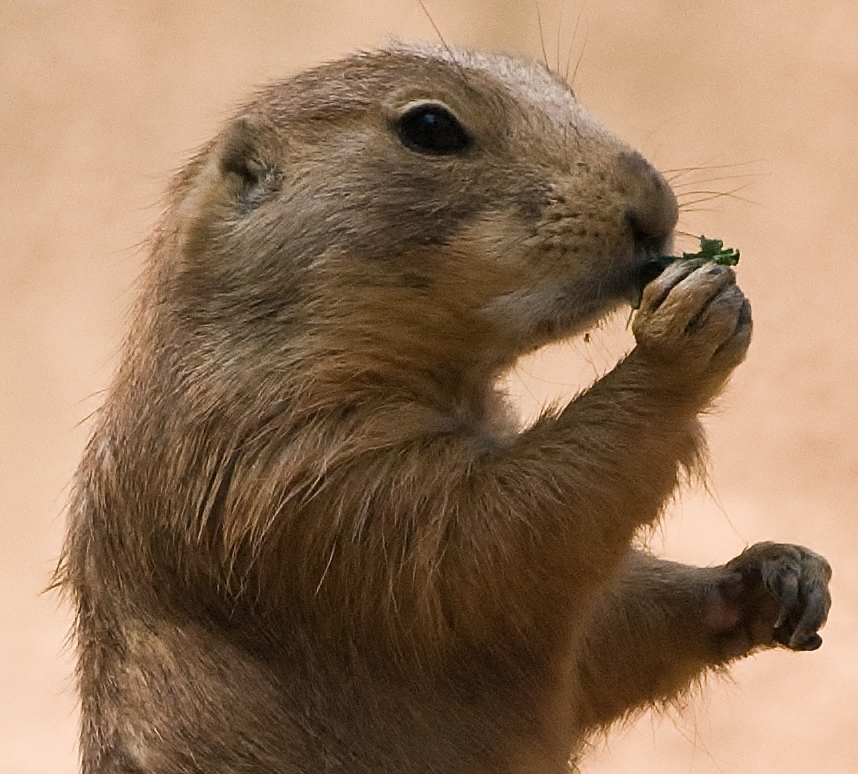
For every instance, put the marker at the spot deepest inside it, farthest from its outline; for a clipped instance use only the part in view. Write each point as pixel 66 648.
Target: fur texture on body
pixel 308 536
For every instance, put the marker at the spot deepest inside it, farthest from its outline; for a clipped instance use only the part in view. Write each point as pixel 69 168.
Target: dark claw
pixel 810 643
pixel 745 314
pixel 789 597
pixel 816 611
pixel 798 641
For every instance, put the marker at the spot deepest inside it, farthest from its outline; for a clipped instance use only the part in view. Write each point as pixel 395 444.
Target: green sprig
pixel 713 250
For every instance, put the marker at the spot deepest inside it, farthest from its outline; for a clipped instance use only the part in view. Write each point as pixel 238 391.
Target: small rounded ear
pixel 248 160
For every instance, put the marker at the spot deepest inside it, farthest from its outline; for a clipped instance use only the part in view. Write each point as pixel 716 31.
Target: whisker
pixel 720 179
pixel 678 172
pixel 685 209
pixel 729 192
pixel 705 196
pixel 444 42
pixel 542 37
pixel 572 45
pixel 580 59
pixel 708 165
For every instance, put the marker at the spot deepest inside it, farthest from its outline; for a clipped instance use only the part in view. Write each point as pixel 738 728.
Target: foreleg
pixel 661 624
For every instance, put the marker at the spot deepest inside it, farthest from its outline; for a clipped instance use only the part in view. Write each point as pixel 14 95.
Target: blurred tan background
pixel 100 101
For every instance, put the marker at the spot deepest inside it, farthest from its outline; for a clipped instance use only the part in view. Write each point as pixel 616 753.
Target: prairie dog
pixel 308 536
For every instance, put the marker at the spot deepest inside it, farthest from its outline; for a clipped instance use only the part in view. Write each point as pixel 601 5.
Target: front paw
pixel 694 326
pixel 771 594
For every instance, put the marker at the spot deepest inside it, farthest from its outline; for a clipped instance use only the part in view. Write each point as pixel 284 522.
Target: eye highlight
pixel 431 128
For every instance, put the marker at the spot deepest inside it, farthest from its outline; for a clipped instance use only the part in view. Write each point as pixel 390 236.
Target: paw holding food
pixel 711 250
pixel 694 323
pixel 771 594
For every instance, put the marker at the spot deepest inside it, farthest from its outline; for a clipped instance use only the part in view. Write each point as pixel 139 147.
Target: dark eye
pixel 432 128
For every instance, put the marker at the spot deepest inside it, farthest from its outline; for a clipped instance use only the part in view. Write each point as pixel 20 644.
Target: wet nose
pixel 652 210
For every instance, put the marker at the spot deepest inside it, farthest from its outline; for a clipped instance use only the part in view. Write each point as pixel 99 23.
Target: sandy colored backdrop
pixel 100 100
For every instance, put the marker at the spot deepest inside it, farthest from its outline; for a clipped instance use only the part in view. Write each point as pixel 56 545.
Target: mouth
pixel 627 283
pixel 645 273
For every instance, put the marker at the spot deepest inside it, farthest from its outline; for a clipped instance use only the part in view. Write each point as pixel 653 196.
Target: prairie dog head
pixel 411 209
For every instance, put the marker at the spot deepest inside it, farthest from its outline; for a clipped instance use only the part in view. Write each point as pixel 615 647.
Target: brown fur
pixel 307 535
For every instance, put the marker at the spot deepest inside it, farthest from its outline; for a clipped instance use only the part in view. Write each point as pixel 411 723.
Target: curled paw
pixel 771 594
pixel 696 321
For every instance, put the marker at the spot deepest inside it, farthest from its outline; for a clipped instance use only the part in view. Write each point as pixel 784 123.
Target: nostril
pixel 652 211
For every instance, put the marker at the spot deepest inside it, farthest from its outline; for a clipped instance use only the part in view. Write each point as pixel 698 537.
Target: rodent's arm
pixel 557 508
pixel 660 624
pixel 645 639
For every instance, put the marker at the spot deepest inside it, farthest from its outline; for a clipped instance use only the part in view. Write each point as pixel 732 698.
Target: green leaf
pixel 713 250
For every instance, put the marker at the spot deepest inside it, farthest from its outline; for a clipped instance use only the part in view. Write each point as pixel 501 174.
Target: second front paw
pixel 771 594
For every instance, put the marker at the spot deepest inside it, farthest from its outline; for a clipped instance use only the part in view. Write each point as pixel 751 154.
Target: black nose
pixel 652 210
